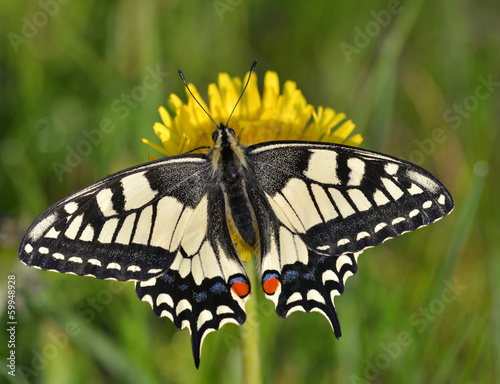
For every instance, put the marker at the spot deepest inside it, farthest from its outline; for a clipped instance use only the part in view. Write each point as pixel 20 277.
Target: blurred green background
pixel 421 80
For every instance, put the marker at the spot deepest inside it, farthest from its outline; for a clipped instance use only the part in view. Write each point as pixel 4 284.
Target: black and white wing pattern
pixel 323 205
pixel 162 225
pixel 206 285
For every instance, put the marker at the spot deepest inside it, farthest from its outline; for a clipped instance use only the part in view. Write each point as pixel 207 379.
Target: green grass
pixel 68 79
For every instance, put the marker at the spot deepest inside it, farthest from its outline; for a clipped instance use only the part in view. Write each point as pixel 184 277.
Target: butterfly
pixel 308 208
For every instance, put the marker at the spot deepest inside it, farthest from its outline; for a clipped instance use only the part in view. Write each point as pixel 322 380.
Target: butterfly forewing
pixel 341 199
pixel 126 226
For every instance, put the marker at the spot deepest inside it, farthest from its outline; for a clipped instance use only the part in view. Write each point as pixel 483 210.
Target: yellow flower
pixel 274 116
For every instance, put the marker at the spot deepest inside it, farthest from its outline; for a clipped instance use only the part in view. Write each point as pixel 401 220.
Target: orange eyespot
pixel 271 285
pixel 240 288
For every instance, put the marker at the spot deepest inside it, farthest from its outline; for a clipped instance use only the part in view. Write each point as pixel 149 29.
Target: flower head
pixel 256 119
pixel 273 116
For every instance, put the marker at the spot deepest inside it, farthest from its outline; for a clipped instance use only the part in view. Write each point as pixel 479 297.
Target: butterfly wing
pixel 127 226
pixel 326 204
pixel 206 285
pixel 341 199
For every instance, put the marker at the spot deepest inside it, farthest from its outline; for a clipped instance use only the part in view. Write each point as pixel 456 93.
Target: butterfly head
pixel 223 136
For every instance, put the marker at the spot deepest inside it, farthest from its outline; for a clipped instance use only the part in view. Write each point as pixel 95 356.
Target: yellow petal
pixel 155 146
pixel 251 104
pixel 354 141
pixel 271 90
pixel 215 99
pixel 340 134
pixel 174 102
pixel 228 92
pixel 165 117
pixel 162 132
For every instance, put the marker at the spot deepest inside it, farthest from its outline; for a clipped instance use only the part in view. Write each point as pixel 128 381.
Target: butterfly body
pixel 228 160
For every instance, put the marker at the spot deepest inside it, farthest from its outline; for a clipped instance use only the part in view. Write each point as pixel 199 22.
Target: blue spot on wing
pixel 218 288
pixel 289 276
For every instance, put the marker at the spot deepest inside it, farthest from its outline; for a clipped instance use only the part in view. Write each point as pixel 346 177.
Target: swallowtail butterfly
pixel 310 208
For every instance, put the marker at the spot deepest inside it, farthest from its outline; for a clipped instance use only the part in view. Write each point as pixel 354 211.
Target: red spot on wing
pixel 240 288
pixel 271 285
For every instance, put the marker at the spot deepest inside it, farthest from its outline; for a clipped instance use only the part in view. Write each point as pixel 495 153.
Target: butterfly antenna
pixel 242 92
pixel 195 99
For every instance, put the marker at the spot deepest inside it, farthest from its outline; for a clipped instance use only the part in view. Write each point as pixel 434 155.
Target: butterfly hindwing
pixel 126 226
pixel 206 285
pixel 294 277
pixel 340 199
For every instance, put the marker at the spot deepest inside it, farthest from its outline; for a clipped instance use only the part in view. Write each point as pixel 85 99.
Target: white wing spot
pixel 28 248
pixel 114 266
pixel 71 207
pixel 108 230
pixel 125 232
pixel 183 305
pixel 75 259
pixel 314 295
pixel 343 242
pixel 427 204
pixel 155 270
pixel 342 204
pixel 87 234
pixel 359 199
pixel 441 200
pixel 380 198
pixel 137 191
pixel 414 213
pixel 164 298
pixel 58 256
pixel 415 189
pixel 379 227
pixel 322 167
pixel 391 168
pixel 204 316
pixel 392 188
pixel 341 261
pixel 143 229
pixel 148 299
pixel 296 296
pixel 148 283
pixel 362 235
pixel 357 167
pixel 397 220
pixel 105 203
pixel 95 262
pixel 329 275
pixel 133 268
pixel 43 250
pixel 223 309
pixel 323 247
pixel 74 227
pixel 52 233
